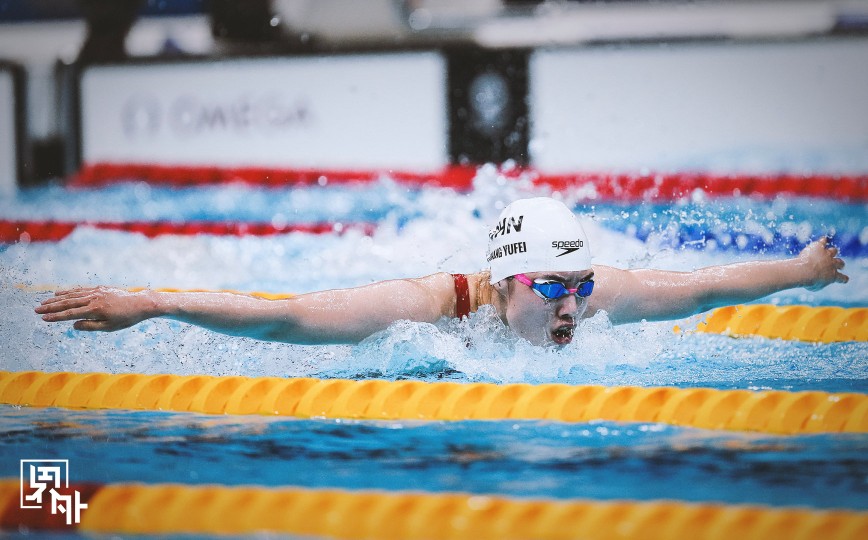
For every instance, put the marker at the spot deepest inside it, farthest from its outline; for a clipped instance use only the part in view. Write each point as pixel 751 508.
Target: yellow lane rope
pixel 819 324
pixel 741 410
pixel 176 509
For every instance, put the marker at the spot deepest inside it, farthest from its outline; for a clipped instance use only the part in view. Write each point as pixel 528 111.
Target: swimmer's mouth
pixel 563 335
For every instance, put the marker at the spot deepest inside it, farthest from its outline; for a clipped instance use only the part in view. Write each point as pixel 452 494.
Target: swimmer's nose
pixel 568 306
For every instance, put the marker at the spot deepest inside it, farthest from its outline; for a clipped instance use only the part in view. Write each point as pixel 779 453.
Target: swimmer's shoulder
pixel 480 289
pixel 441 289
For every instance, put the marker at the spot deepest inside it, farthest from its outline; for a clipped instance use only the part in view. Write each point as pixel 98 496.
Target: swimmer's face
pixel 543 322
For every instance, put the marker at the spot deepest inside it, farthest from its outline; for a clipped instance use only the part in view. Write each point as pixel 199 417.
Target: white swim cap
pixel 537 235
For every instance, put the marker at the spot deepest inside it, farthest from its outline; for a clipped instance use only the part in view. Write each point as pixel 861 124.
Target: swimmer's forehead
pixel 564 277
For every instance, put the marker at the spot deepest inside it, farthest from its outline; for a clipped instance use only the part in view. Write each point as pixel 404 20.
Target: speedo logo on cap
pixel 568 246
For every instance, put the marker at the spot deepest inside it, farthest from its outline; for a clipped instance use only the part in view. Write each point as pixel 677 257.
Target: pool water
pixel 418 232
pixel 421 231
pixel 599 460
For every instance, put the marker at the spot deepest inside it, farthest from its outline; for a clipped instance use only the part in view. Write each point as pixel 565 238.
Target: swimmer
pixel 540 282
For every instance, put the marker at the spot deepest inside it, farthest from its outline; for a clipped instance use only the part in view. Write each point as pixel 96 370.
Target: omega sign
pixel 190 116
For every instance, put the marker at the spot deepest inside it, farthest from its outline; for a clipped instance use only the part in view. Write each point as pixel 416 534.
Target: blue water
pixel 601 460
pixel 421 232
pixel 781 226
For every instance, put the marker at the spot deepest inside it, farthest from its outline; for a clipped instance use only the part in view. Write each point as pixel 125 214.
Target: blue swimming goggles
pixel 552 290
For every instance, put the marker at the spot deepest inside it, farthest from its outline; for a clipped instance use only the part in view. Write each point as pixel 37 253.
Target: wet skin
pixel 540 321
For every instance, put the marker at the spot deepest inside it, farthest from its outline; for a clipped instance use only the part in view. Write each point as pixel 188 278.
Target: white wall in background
pixel 337 112
pixel 8 148
pixel 37 47
pixel 762 107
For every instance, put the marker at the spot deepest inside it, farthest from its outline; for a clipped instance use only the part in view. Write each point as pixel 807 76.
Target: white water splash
pixel 420 232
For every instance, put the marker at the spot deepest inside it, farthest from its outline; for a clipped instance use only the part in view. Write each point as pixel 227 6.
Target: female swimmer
pixel 540 281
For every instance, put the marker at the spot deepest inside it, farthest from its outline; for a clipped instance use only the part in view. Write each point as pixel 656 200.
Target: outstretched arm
pixel 633 295
pixel 335 316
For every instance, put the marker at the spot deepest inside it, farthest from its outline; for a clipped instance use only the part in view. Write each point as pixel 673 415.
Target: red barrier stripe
pixel 103 174
pixel 36 231
pixel 605 187
pixel 15 518
pixel 53 231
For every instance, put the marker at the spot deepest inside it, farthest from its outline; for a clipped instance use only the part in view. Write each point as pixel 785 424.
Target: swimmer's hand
pixel 103 309
pixel 822 265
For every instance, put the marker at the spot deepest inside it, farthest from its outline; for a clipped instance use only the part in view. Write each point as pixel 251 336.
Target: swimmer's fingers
pixel 60 296
pixel 89 318
pixel 89 325
pixel 835 276
pixel 62 302
pixel 823 265
pixel 837 263
pixel 71 314
pixel 73 297
pixel 93 305
pixel 97 308
pixel 822 245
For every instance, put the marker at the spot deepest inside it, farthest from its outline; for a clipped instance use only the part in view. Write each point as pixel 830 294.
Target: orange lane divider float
pixel 53 231
pixel 596 186
pixel 157 509
pixel 741 410
pixel 825 324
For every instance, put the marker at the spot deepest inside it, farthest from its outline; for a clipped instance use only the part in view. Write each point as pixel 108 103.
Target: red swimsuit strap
pixel 462 296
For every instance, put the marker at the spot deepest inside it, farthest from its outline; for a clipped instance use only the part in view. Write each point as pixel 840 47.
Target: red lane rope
pixel 605 187
pixel 53 231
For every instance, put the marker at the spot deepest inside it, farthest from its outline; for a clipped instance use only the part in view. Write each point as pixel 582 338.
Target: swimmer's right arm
pixel 335 316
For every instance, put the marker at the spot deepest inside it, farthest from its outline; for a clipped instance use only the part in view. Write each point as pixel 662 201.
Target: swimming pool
pixel 416 232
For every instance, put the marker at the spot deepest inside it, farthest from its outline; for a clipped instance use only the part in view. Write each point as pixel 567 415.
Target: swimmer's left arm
pixel 634 295
pixel 333 316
